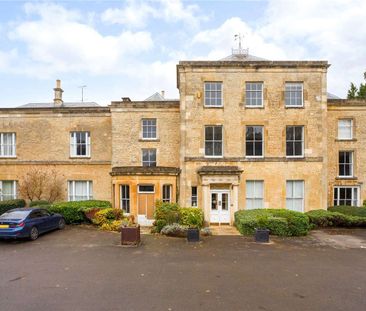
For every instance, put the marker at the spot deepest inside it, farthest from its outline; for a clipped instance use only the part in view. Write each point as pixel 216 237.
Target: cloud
pixel 220 40
pixel 333 30
pixel 136 13
pixel 327 30
pixel 133 15
pixel 57 41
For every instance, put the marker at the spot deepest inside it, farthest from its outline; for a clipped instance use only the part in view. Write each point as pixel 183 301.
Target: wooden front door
pixel 146 205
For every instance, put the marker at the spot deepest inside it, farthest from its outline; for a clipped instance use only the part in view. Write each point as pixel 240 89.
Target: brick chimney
pixel 58 94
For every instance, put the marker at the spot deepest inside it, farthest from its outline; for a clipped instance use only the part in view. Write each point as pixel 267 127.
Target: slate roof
pixel 332 96
pixel 242 58
pixel 144 170
pixel 66 105
pixel 157 97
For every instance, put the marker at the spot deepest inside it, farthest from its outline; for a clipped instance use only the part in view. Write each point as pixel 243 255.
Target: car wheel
pixel 34 234
pixel 61 224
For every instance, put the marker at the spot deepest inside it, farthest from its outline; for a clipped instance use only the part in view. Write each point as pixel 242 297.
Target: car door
pixel 38 219
pixel 48 220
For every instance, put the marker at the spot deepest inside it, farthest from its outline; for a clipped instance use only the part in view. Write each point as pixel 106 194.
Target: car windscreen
pixel 14 215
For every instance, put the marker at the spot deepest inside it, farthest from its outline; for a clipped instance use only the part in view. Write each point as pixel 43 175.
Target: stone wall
pixel 43 141
pixel 127 133
pixel 355 110
pixel 274 168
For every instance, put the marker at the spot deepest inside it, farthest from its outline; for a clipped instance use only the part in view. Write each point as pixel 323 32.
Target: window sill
pixel 213 107
pixel 345 140
pixel 294 107
pixel 254 157
pixel 213 157
pixel 8 157
pixel 295 157
pixel 147 139
pixel 252 107
pixel 346 178
pixel 80 157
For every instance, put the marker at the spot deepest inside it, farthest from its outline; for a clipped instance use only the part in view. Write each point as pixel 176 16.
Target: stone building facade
pixel 245 133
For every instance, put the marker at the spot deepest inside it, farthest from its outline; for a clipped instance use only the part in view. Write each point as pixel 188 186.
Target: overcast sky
pixel 131 48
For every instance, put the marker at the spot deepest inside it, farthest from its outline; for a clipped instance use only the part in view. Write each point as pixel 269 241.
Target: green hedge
pixel 73 212
pixel 280 222
pixel 39 203
pixel 349 210
pixel 170 213
pixel 165 214
pixel 191 217
pixel 10 204
pixel 323 218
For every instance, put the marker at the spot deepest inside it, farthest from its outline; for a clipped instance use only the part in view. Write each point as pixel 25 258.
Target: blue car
pixel 29 223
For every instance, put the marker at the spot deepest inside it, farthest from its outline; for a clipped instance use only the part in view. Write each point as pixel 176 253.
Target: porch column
pixel 206 201
pixel 235 202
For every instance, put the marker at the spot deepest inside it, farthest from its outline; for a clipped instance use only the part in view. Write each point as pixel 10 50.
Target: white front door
pixel 220 207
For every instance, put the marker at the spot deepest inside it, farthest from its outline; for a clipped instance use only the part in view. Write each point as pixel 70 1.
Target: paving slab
pixel 85 269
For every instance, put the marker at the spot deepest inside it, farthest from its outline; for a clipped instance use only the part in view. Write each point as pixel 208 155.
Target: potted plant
pixel 130 233
pixel 262 233
pixel 193 231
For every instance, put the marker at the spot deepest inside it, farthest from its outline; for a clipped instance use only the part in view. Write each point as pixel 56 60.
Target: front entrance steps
pixel 224 230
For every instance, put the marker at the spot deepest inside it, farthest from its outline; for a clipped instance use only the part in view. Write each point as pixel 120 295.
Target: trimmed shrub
pixel 280 222
pixel 107 216
pixel 191 217
pixel 175 230
pixel 349 210
pixel 10 204
pixel 322 218
pixel 165 214
pixel 73 212
pixel 114 225
pixel 39 203
pixel 158 225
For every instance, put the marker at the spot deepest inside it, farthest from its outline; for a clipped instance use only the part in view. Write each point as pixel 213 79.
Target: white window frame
pixel 206 83
pixel 254 141
pixel 74 144
pixel 344 164
pixel 149 160
pixel 149 126
pixel 194 197
pixel 150 185
pixel 292 194
pixel 2 145
pixel 125 199
pixel 14 194
pixel 350 127
pixel 214 141
pixel 251 92
pixel 253 196
pixel 293 141
pixel 353 199
pixel 163 198
pixel 71 186
pixel 294 84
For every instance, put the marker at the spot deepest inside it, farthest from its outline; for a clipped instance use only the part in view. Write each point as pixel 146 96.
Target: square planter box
pixel 193 235
pixel 130 236
pixel 261 235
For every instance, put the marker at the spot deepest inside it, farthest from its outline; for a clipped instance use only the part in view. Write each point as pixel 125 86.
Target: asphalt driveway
pixel 85 269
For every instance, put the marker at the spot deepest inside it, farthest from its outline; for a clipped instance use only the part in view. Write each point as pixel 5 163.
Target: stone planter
pixel 261 235
pixel 130 236
pixel 193 235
